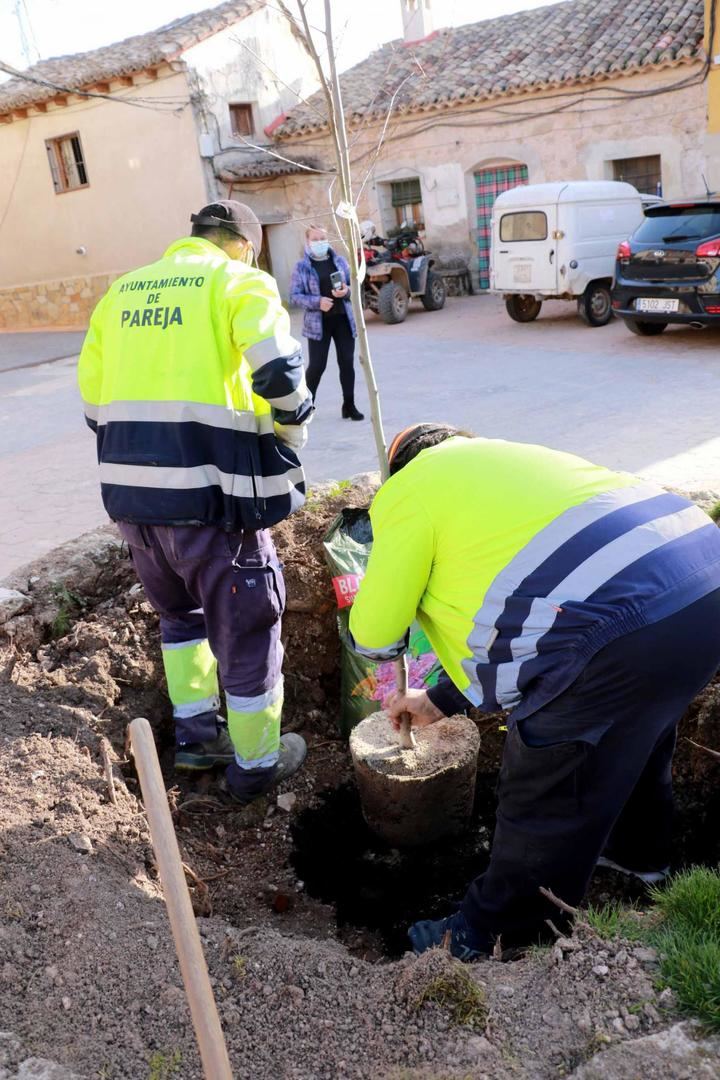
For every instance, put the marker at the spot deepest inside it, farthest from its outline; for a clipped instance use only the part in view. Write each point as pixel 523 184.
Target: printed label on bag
pixel 346 587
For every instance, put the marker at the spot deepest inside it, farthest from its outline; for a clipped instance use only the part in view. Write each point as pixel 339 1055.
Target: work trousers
pixel 337 329
pixel 592 773
pixel 220 597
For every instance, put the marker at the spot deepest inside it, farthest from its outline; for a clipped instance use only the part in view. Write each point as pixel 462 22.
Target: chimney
pixel 417 19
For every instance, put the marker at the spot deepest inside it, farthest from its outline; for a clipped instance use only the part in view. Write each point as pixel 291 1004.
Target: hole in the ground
pixel 379 888
pixel 383 890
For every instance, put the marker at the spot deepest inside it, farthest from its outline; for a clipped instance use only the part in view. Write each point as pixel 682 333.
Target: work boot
pixel 648 877
pixel 452 933
pixel 203 756
pixel 242 786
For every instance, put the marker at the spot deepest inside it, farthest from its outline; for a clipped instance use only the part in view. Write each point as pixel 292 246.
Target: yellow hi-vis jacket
pixel 521 563
pixel 187 365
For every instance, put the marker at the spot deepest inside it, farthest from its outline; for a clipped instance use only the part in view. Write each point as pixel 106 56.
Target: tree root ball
pixel 415 797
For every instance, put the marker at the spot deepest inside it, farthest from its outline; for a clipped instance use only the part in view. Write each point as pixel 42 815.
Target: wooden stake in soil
pixel 413 797
pixel 405 737
pixel 211 1042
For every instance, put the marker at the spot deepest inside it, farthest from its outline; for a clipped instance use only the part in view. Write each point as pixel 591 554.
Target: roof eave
pixel 521 91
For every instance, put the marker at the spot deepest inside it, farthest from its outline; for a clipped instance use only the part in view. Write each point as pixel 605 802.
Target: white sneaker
pixel 649 877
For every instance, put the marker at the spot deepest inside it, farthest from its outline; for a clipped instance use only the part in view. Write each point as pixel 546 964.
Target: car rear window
pixel 528 225
pixel 667 224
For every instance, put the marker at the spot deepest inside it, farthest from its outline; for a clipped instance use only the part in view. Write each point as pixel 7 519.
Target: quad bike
pixel 398 270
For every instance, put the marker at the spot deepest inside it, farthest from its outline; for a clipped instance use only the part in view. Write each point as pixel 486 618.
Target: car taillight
pixel 709 250
pixel 623 251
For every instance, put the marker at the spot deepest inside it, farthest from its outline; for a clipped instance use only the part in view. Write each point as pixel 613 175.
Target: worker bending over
pixel 585 601
pixel 196 391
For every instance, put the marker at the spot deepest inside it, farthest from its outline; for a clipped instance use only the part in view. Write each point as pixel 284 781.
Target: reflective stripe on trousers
pixel 254 727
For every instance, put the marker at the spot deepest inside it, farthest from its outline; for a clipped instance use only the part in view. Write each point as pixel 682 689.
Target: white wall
pixel 144 181
pixel 271 79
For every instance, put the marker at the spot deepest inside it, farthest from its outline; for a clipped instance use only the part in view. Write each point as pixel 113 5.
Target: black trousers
pixel 604 781
pixel 337 329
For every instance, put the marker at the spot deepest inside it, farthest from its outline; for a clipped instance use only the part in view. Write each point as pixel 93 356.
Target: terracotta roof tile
pixel 549 46
pixel 83 70
pixel 234 166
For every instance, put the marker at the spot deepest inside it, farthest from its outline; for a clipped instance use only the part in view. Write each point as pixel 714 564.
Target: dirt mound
pixel 88 975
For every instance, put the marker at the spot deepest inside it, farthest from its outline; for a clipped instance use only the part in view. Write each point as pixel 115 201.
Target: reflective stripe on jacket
pixel 186 366
pixel 522 562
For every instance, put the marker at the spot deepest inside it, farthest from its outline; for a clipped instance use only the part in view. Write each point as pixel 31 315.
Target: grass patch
pixel 164 1066
pixel 690 965
pixel 459 994
pixel 691 899
pixel 684 927
pixel 688 940
pixel 69 606
pixel 614 920
pixel 714 512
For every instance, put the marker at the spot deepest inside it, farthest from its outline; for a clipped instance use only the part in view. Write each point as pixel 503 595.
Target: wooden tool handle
pixel 211 1042
pixel 401 681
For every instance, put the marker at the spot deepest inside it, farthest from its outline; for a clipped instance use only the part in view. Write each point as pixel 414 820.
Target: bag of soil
pixel 365 685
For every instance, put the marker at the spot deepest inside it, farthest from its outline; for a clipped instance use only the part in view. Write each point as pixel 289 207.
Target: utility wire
pixel 139 102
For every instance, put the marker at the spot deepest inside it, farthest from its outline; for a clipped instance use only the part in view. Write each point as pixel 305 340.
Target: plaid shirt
pixel 305 293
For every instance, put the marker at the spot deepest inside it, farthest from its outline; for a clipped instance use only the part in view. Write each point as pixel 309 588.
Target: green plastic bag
pixel 365 685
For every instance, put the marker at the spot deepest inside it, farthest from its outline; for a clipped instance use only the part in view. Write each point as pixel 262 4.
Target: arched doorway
pixel 489 182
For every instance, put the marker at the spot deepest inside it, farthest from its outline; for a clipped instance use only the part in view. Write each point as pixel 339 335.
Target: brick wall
pixel 67 302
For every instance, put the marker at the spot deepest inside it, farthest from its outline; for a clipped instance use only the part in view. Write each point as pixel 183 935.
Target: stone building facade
pixel 573 91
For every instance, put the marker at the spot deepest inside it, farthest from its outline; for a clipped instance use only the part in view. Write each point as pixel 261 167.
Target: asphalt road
pixel 645 405
pixel 36 347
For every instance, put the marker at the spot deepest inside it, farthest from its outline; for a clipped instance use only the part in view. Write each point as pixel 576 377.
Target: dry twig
pixel 549 895
pixel 107 766
pixel 698 746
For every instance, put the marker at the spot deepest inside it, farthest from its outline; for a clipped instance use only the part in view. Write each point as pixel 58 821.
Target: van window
pixel 525 225
pixel 664 224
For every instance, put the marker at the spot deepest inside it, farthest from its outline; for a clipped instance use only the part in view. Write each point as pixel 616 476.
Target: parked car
pixel 669 269
pixel 558 242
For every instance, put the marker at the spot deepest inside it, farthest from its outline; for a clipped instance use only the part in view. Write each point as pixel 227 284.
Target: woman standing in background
pixel 321 287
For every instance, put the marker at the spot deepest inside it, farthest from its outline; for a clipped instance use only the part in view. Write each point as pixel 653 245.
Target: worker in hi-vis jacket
pixel 586 602
pixel 196 391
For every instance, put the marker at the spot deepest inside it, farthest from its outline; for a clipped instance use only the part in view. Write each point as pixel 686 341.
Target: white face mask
pixel 318 249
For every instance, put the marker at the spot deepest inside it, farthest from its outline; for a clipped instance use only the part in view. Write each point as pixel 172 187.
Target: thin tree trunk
pixel 336 123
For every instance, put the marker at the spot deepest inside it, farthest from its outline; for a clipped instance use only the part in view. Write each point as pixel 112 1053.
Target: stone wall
pixel 445 149
pixel 66 303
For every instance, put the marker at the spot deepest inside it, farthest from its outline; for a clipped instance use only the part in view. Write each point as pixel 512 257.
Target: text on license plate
pixel 655 304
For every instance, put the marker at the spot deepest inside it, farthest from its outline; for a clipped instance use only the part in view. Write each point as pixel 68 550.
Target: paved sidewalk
pixel 645 405
pixel 36 347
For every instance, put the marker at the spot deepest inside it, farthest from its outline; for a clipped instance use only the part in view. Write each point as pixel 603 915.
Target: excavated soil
pixel 300 967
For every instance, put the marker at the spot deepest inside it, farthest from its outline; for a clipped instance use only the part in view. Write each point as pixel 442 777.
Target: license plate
pixel 522 272
pixel 654 304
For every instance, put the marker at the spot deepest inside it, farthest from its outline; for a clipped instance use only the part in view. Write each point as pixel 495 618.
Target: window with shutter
pixel 241 119
pixel 67 163
pixel 406 198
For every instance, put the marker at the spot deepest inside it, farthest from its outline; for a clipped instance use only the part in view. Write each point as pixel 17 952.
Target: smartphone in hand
pixel 336 279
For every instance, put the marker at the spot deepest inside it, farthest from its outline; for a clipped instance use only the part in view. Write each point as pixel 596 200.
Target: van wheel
pixel 434 296
pixel 595 305
pixel 645 329
pixel 392 303
pixel 523 308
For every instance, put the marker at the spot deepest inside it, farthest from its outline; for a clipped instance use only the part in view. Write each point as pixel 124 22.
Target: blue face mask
pixel 318 248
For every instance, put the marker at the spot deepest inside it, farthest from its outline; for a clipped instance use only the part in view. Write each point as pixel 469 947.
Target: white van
pixel 558 242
